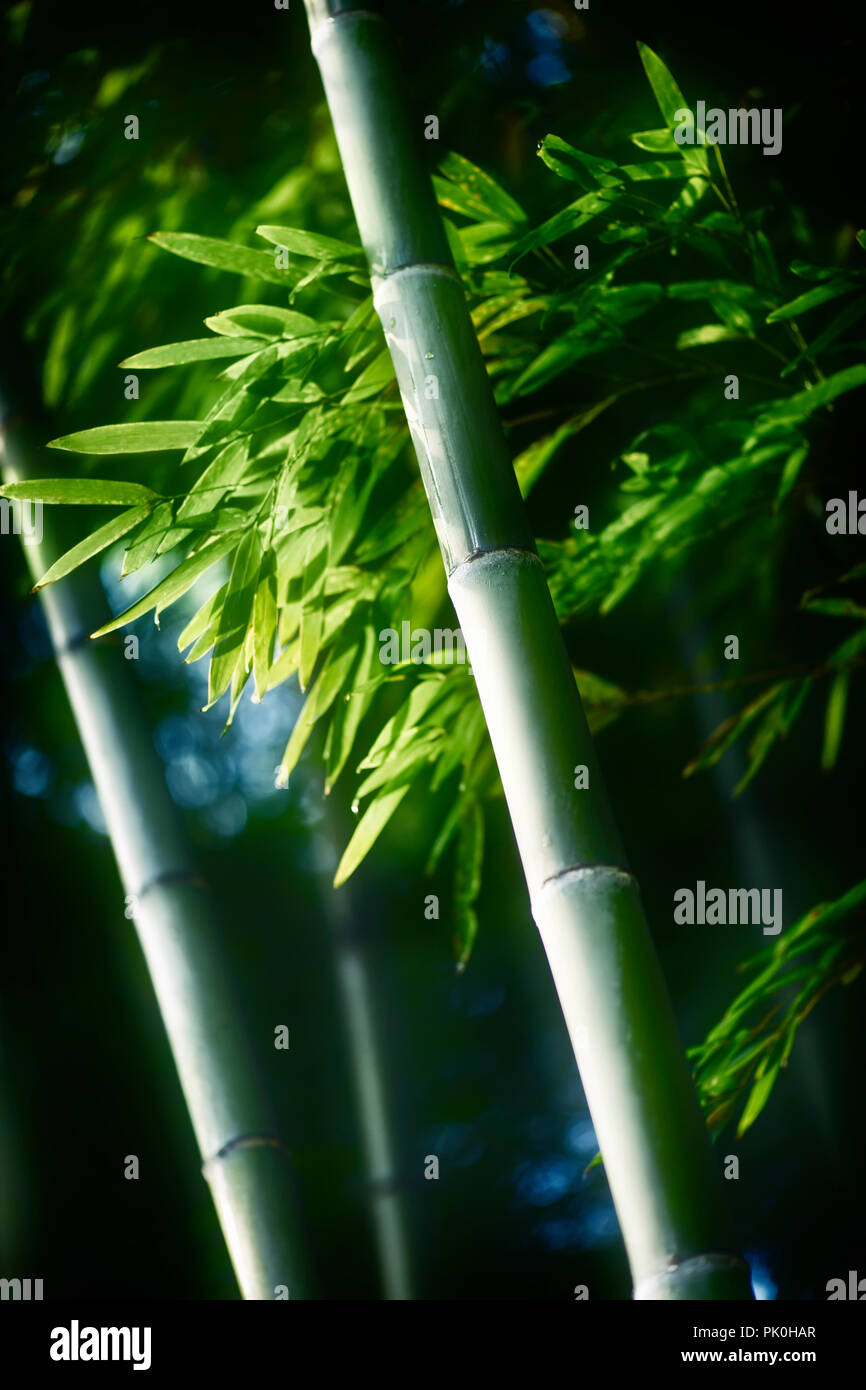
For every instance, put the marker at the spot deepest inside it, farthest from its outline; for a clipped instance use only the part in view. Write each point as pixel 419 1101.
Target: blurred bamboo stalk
pixel 586 903
pixel 243 1161
pixel 368 1066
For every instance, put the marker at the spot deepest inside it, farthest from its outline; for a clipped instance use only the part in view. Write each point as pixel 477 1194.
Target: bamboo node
pixel 243 1141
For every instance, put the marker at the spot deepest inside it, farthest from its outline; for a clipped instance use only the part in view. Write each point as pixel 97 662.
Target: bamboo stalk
pixel 243 1161
pixel 369 1081
pixel 584 899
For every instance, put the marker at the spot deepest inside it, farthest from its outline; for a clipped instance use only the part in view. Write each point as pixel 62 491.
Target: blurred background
pixel 478 1066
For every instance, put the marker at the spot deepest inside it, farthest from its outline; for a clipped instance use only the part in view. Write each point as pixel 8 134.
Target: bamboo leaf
pixel 804 302
pixel 264 622
pixel 588 170
pixel 834 719
pixel 373 379
pixel 654 169
pixel 174 585
pixel 851 314
pixel 576 215
pixel 670 100
pixel 368 830
pixel 790 473
pixel 145 545
pixel 223 255
pixel 320 248
pixel 265 320
pixel 657 141
pixel 80 492
pixel 469 190
pixel 708 333
pixel 351 709
pixel 93 544
pixel 137 437
pixel 194 350
pixel 797 408
pixel 235 615
pixel 758 1097
pixel 200 629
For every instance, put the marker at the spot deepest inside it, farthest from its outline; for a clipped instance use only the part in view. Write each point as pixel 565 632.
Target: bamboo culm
pixel 584 899
pixel 243 1161
pixel 355 977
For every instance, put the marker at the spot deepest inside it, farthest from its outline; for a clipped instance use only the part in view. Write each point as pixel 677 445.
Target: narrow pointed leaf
pixel 80 492
pixel 368 830
pixel 93 544
pixel 137 437
pixel 193 350
pixel 174 584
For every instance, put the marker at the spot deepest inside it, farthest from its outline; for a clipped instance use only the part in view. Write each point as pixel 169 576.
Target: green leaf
pixel 200 628
pixel 352 708
pixel 138 437
pixel 194 350
pixel 235 616
pixel 670 100
pixel 758 1097
pixel 80 492
pixel 576 215
pixel 370 826
pixel 322 694
pixel 588 170
pixel 264 622
pixel 708 333
pixel 223 255
pixel 144 547
pixel 784 413
pixel 469 190
pixel 655 169
pixel 849 315
pixel 657 141
pixel 729 730
pixel 320 248
pixel 93 544
pixel 790 473
pixel 373 379
pixel 470 853
pixel 804 302
pixel 174 585
pixel 266 321
pixel 834 719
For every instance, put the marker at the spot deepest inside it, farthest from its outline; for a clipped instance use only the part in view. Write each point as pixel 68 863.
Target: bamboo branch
pixel 243 1161
pixel 585 901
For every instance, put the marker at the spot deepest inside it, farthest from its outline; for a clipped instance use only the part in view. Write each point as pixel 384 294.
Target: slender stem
pixel 243 1161
pixel 587 905
pixel 369 1066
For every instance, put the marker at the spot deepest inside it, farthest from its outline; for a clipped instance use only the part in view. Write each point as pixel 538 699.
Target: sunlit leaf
pixel 174 585
pixel 135 437
pixel 93 544
pixel 368 830
pixel 79 492
pixel 194 350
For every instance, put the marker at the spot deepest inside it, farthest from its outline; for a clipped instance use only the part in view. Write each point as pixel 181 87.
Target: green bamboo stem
pixel 584 900
pixel 243 1161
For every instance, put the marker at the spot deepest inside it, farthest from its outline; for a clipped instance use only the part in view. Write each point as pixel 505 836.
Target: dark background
pixel 480 1067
